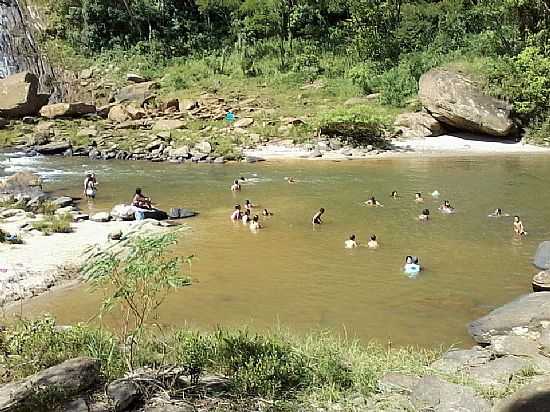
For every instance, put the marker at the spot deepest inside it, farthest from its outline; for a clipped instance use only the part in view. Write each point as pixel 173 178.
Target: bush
pixel 54 224
pixel 365 76
pixel 538 132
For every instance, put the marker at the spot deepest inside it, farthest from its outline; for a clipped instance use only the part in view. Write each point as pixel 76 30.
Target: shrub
pixel 54 224
pixel 538 132
pixel 365 76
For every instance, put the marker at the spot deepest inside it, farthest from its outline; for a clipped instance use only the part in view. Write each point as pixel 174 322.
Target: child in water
pixel 246 216
pixel 266 212
pixel 255 224
pixel 236 215
pixel 316 220
pixel 373 243
pixel 236 187
pixel 446 207
pixel 373 202
pixel 351 243
pixel 498 213
pixel 425 216
pixel 418 198
pixel 394 195
pixel 518 227
pixel 412 265
pixel 248 205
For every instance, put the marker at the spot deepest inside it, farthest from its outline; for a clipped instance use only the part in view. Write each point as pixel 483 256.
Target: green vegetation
pixel 277 46
pixel 54 224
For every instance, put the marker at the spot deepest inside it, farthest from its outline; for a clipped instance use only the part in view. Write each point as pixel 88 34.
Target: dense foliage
pixel 382 45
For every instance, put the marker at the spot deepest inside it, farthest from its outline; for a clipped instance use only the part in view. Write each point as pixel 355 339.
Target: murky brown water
pixel 304 279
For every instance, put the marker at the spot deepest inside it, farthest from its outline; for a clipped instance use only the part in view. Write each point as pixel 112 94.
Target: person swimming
pixel 236 215
pixel 236 187
pixel 351 243
pixel 394 195
pixel 141 201
pixel 316 220
pixel 373 243
pixel 418 197
pixel 291 180
pixel 373 202
pixel 518 227
pixel 412 265
pixel 255 224
pixel 498 213
pixel 424 216
pixel 446 207
pixel 246 216
pixel 266 212
pixel 248 205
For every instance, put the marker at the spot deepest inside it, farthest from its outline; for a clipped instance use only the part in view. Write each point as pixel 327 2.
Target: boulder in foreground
pixel 60 110
pixel 19 96
pixel 456 100
pixel 524 316
pixel 542 256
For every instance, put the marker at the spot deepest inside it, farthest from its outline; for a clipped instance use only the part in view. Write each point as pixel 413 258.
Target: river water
pixel 292 275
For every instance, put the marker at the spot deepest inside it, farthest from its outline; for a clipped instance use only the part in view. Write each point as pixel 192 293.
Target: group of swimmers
pixel 245 217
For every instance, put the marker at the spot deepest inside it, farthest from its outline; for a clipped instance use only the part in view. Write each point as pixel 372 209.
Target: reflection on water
pixel 304 278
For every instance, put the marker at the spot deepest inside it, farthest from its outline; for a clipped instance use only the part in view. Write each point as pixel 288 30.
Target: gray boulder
pixel 181 213
pixel 456 100
pixel 435 394
pixel 63 201
pixel 524 316
pixel 69 377
pixel 139 93
pixel 455 361
pixel 542 256
pixel 498 373
pixel 100 217
pixel 534 397
pixel 54 148
pixel 19 96
pixel 418 125
pixel 124 393
pixel 397 382
pixel 60 110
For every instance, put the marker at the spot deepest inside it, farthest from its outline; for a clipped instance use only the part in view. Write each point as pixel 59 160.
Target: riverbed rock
pixel 524 317
pixel 135 78
pixel 169 124
pixel 244 122
pixel 254 159
pixel 61 110
pixel 123 212
pixel 118 114
pixel 20 183
pixel 542 256
pixel 435 394
pixel 456 100
pixel 100 217
pixel 53 148
pixel 418 125
pixel 160 405
pixel 181 213
pixel 68 377
pixel 397 382
pixel 533 397
pixel 19 96
pixel 139 93
pixel 203 147
pixel 498 373
pixel 182 151
pixel 457 360
pixel 123 393
pixel 63 201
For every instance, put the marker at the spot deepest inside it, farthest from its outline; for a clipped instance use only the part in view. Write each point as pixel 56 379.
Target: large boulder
pixel 542 256
pixel 523 317
pixel 418 125
pixel 19 96
pixel 435 394
pixel 57 110
pixel 53 148
pixel 456 100
pixel 68 378
pixel 139 93
pixel 123 212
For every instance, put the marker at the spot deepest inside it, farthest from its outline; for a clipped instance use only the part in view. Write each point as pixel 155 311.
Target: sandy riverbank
pixel 445 145
pixel 39 263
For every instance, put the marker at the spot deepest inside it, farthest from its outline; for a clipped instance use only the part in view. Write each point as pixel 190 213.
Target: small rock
pixel 497 373
pixel 118 114
pixel 454 361
pixel 136 113
pixel 57 110
pixel 63 201
pixel 78 405
pixel 86 74
pixel 115 235
pixel 254 159
pixel 219 160
pixel 188 105
pixel 100 217
pixel 135 78
pixel 315 153
pixel 123 393
pixel 244 122
pixel 204 147
pixel 513 345
pixel 169 124
pixel 295 121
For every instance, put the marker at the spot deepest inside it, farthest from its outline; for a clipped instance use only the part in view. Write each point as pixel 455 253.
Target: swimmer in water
pixel 236 215
pixel 255 224
pixel 424 216
pixel 373 202
pixel 498 213
pixel 246 216
pixel 351 243
pixel 446 207
pixel 373 243
pixel 418 198
pixel 266 212
pixel 316 220
pixel 394 195
pixel 518 227
pixel 291 180
pixel 412 265
pixel 248 205
pixel 236 187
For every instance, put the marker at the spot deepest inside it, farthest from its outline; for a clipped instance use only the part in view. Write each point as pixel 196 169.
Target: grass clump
pixel 54 224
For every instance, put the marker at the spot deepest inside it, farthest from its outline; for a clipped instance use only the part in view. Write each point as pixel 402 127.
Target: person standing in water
pixel 518 227
pixel 424 216
pixel 236 187
pixel 255 224
pixel 316 220
pixel 418 198
pixel 246 216
pixel 373 243
pixel 351 243
pixel 90 183
pixel 236 215
pixel 394 195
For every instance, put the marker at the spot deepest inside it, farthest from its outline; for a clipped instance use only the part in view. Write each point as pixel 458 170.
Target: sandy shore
pixel 33 267
pixel 445 145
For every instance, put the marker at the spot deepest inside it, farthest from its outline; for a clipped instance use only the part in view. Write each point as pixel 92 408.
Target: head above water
pixel 516 218
pixel 394 194
pixel 426 212
pixel 255 218
pixel 446 203
pixel 322 210
pixel 138 191
pixel 352 237
pixel 498 211
pixel 236 182
pixel 373 238
pixel 409 259
pixel 418 195
pixel 237 207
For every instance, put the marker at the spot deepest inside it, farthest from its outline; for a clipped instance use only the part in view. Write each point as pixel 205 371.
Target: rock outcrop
pixel 19 96
pixel 456 100
pixel 418 125
pixel 524 316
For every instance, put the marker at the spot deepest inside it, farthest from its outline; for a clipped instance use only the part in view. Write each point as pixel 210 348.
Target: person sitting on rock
pixel 255 224
pixel 351 243
pixel 236 187
pixel 373 243
pixel 236 215
pixel 141 201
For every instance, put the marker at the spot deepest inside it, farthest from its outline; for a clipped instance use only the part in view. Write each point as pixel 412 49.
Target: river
pixel 292 275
